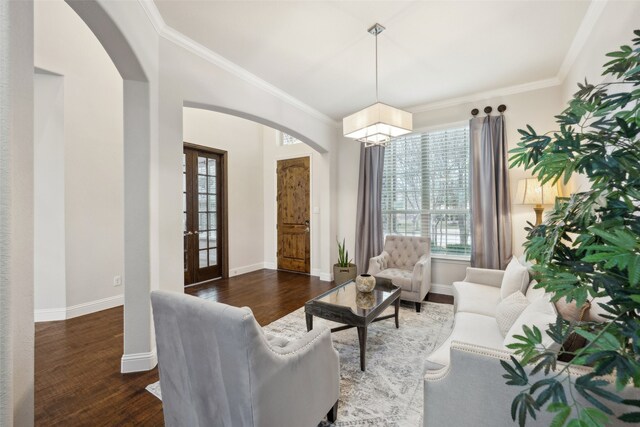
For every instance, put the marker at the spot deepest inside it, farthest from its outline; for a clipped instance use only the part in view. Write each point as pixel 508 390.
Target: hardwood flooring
pixel 77 364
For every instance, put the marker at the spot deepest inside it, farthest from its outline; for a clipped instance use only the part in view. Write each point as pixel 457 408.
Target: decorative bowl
pixel 365 283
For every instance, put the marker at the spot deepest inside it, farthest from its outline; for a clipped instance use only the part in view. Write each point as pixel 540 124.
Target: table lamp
pixel 531 192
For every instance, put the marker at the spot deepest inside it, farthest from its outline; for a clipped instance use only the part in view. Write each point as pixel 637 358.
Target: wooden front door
pixel 294 248
pixel 203 206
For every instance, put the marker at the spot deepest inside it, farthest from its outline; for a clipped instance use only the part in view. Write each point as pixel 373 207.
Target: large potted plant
pixel 343 270
pixel 588 247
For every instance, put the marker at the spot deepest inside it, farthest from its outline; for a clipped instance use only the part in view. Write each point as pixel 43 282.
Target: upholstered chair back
pixel 204 352
pixel 405 251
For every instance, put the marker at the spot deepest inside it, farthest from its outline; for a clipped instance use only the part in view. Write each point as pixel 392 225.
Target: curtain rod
pixel 501 108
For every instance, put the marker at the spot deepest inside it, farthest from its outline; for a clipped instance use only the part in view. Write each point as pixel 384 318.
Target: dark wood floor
pixel 77 367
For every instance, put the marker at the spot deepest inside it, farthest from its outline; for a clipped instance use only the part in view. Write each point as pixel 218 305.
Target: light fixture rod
pixel 374 30
pixel 376 67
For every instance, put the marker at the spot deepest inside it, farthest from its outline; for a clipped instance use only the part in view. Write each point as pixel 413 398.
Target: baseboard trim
pixel 236 271
pixel 270 265
pixel 326 277
pixel 439 288
pixel 53 314
pixel 49 314
pixel 138 362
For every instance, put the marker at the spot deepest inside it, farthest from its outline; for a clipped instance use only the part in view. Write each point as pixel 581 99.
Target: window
pixel 425 189
pixel 286 139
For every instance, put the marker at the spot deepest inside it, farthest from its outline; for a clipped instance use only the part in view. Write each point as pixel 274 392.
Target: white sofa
pixel 463 383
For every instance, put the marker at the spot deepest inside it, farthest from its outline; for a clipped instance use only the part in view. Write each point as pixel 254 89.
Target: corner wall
pixel 91 166
pixel 242 139
pixel 273 152
pixel 16 214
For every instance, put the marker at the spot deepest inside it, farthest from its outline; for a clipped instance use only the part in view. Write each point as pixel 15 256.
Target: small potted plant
pixel 344 270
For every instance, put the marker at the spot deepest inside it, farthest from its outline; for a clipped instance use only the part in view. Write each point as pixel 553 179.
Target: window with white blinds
pixel 425 189
pixel 286 139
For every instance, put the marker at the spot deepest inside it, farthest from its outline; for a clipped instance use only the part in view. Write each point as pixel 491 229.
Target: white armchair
pixel 218 368
pixel 406 261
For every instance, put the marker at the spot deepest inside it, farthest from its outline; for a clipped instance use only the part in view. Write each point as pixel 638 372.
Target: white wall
pixel 49 202
pixel 93 155
pixel 273 152
pixel 242 139
pixel 613 29
pixel 192 81
pixel 16 214
pixel 536 108
pixel 254 150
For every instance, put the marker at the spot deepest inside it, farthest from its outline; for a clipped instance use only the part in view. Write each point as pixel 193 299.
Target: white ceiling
pixel 320 53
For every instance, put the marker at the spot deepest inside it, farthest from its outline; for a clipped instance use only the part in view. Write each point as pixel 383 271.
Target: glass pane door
pixel 202 215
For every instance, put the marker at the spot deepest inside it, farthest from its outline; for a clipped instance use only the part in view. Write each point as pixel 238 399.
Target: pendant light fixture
pixel 378 123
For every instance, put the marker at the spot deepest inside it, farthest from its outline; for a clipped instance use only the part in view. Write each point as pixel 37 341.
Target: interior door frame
pixel 312 222
pixel 224 203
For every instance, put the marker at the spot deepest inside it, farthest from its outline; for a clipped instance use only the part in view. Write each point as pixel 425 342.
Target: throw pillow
pixel 539 313
pixel 509 309
pixel 516 278
pixel 532 293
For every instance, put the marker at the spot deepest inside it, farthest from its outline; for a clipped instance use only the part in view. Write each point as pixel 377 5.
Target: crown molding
pixel 585 29
pixel 479 96
pixel 582 34
pixel 179 39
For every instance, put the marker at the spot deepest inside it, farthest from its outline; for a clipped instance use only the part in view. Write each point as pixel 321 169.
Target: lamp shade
pixel 531 192
pixel 377 124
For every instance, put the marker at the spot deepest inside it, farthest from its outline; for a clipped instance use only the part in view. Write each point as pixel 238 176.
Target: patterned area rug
pixel 389 393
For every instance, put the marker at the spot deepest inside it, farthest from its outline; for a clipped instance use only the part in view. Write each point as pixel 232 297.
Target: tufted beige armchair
pixel 406 260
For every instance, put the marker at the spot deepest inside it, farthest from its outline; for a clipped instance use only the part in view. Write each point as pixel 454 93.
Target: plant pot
pixel 365 283
pixel 344 274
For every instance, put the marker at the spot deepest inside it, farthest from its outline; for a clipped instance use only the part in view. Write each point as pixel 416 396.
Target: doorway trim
pixel 312 221
pixel 224 162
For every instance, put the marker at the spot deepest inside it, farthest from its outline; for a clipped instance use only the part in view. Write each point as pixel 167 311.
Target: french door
pixel 203 205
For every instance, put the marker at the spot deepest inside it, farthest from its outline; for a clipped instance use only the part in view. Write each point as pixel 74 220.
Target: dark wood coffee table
pixel 344 304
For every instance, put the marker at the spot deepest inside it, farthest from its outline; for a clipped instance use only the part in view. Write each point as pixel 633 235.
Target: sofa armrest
pixel 474 376
pixel 484 276
pixel 421 279
pixel 378 263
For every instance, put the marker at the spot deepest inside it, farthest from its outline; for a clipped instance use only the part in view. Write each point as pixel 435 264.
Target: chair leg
pixel 332 416
pixel 418 306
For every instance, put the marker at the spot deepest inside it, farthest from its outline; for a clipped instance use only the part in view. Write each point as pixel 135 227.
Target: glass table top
pixel 348 296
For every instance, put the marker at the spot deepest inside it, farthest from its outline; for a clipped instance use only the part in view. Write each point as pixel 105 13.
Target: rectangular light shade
pixel 530 192
pixel 377 124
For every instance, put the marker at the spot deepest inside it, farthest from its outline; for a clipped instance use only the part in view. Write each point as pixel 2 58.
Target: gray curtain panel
pixel 490 199
pixel 369 238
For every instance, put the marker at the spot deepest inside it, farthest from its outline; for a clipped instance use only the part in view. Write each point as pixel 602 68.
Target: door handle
pixel 306 223
pixel 188 233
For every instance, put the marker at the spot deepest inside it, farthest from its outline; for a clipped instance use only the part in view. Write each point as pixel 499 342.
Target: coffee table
pixel 344 304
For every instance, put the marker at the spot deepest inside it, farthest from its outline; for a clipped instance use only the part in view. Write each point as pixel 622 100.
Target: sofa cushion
pixel 398 277
pixel 516 278
pixel 539 313
pixel 475 298
pixel 533 293
pixel 471 328
pixel 509 309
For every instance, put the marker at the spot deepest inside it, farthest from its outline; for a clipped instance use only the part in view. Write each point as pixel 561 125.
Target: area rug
pixel 389 392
